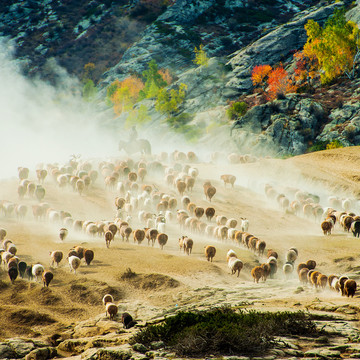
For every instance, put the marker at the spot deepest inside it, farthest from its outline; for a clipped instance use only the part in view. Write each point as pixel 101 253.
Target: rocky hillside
pixel 121 37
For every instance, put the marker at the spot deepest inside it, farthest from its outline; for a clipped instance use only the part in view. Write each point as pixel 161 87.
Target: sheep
pixel 63 232
pixel 13 274
pixel 162 240
pixel 231 234
pixel 221 220
pixel 199 212
pixel 41 175
pixel 235 265
pixel 142 173
pixel 266 270
pixel 210 252
pixel 311 264
pixel 260 246
pixel 288 269
pixel 22 268
pixel 228 179
pixel 2 234
pixel 161 227
pixel 108 238
pixel 341 284
pixel 37 271
pixel 349 287
pixel 127 320
pixel 209 213
pixel 326 227
pixel 151 234
pixel 107 299
pixel 74 263
pixel 244 225
pixel 185 201
pixel 231 223
pixel 23 173
pixel 56 257
pixel 88 256
pixel 11 248
pixel 188 245
pixel 301 266
pixel 139 236
pixel 80 186
pixel 313 278
pixel 111 309
pixel 181 187
pixel 181 242
pixel 190 183
pixel 238 237
pixel 28 272
pixel 291 256
pixel 47 276
pixel 39 192
pixel 332 279
pixel 322 280
pixel 209 190
pixel 272 261
pixel 257 273
pixel 125 232
pixel 272 253
pixel 355 228
pixel 303 275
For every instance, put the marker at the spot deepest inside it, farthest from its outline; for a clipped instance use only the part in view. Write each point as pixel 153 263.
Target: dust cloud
pixel 40 123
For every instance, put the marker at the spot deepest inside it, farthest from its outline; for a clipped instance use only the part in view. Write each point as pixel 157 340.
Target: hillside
pixel 68 317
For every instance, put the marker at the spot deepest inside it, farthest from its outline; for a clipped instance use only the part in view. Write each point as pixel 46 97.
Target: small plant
pixel 334 145
pixel 201 58
pixel 168 102
pixel 89 90
pixel 128 274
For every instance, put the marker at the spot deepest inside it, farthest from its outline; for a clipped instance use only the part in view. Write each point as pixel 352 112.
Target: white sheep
pixel 161 227
pixel 74 263
pixel 244 225
pixel 235 265
pixel 288 269
pixel 37 271
pixel 230 253
pixel 291 255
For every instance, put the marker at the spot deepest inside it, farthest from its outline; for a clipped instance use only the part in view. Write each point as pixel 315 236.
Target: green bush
pixel 236 110
pixel 225 331
pixel 325 145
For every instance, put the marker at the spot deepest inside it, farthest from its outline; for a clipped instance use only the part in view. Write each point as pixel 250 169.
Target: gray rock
pixel 122 352
pixel 41 354
pixel 140 348
pixel 330 353
pixel 156 345
pixel 21 347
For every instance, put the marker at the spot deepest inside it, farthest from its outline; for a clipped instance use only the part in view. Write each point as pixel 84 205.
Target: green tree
pixel 89 90
pixel 168 102
pixel 153 81
pixel 201 58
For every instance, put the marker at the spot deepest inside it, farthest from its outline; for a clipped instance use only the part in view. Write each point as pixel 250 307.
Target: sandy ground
pixel 168 279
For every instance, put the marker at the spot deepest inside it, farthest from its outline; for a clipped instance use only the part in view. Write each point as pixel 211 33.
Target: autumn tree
pixel 89 90
pixel 201 58
pixel 259 76
pixel 124 94
pixel 89 72
pixel 334 46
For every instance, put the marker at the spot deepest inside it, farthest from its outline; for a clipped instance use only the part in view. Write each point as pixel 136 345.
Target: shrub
pixel 225 331
pixel 236 110
pixel 334 145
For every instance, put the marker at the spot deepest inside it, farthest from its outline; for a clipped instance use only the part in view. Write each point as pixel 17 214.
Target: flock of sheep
pixel 142 211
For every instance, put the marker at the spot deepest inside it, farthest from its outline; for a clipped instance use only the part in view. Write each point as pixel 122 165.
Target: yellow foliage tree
pixel 200 56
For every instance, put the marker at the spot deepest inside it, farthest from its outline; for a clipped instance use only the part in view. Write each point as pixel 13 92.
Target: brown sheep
pixel 210 252
pixel 47 276
pixel 188 245
pixel 322 280
pixel 2 234
pixel 260 246
pixel 266 270
pixel 112 310
pixel 185 201
pixel 139 236
pixel 125 232
pixel 303 275
pixel 119 202
pixel 151 234
pixel 63 232
pixel 209 190
pixel 311 264
pixel 181 242
pixel 257 273
pixel 199 212
pixel 56 257
pixel 326 227
pixel 228 179
pixel 301 266
pixel 132 176
pixel 108 238
pixel 142 173
pixel 181 186
pixel 190 183
pixel 313 278
pixel 162 240
pixel 88 256
pixel 238 237
pixel 350 288
pixel 341 284
pixel 191 207
pixel 209 213
pixel 79 251
pixel 113 228
pixel 41 175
